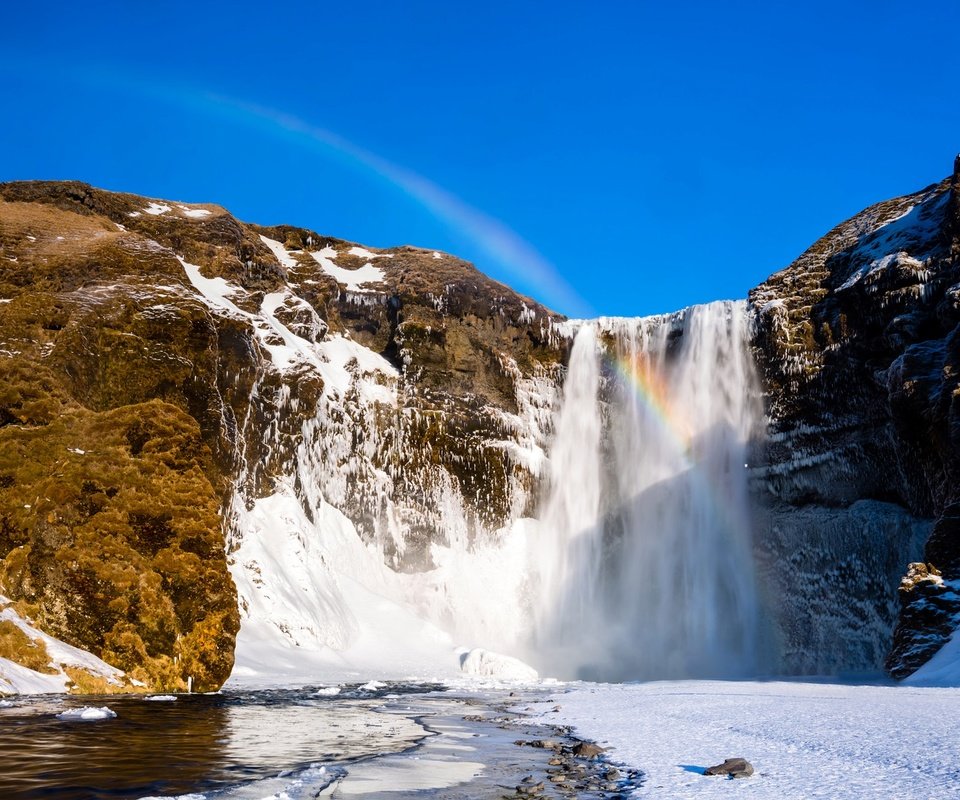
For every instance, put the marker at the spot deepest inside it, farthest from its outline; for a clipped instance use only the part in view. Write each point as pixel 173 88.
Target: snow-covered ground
pixel 805 740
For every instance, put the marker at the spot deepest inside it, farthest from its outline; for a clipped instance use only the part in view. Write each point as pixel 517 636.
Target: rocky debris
pixel 577 769
pixel 731 767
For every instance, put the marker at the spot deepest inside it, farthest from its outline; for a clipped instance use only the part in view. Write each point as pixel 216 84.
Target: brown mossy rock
pixel 16 646
pixel 109 530
pixel 119 378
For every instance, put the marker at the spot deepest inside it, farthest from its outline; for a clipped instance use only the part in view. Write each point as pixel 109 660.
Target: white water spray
pixel 645 563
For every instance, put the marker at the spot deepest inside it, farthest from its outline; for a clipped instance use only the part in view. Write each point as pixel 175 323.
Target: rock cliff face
pixel 858 343
pixel 160 366
pixel 185 397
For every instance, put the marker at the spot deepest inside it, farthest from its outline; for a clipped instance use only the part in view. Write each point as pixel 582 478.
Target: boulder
pixel 732 767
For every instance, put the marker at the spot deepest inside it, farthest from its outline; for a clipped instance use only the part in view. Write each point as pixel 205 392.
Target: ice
pixel 302 620
pixel 160 698
pixel 156 209
pixel 328 691
pixel 87 714
pixel 805 740
pixel 489 664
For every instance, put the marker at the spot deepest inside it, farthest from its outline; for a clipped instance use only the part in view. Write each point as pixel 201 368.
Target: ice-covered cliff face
pixel 858 350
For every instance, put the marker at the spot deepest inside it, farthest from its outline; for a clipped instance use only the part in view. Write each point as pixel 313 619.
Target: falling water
pixel 646 568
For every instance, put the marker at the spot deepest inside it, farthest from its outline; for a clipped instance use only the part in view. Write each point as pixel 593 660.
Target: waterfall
pixel 643 568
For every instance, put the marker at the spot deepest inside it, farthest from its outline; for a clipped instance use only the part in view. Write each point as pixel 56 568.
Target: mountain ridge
pixel 199 356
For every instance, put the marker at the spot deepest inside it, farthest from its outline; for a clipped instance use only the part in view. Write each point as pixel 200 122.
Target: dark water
pixel 209 744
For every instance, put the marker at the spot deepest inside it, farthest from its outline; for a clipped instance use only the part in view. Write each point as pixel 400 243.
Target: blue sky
pixel 606 157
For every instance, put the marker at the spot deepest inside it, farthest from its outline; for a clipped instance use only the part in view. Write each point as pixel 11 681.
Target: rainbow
pixel 650 387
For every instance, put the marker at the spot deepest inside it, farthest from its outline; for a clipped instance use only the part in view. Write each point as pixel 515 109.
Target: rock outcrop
pixel 147 350
pixel 165 368
pixel 858 343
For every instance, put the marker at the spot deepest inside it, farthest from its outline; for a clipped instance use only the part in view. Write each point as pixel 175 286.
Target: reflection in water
pixel 198 743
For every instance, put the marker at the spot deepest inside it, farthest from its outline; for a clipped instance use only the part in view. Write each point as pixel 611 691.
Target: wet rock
pixel 732 767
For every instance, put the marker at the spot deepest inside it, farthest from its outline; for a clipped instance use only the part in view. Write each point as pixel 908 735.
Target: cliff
pixel 211 429
pixel 159 362
pixel 858 345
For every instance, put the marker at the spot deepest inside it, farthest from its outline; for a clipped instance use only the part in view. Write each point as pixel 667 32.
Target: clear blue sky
pixel 655 154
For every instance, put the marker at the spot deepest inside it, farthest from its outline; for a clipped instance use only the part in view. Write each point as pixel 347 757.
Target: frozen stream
pixel 395 741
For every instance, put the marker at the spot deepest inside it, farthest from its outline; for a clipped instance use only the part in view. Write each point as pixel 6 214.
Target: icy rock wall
pixel 338 483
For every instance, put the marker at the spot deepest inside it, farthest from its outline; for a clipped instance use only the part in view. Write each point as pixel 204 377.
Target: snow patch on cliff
pixel 284 257
pixel 354 280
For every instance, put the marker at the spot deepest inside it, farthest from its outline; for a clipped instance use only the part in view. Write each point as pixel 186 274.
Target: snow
pixel 362 252
pixel 328 691
pixel 890 244
pixel 87 714
pixel 280 252
pixel 805 740
pixel 156 209
pixel 160 698
pixel 489 664
pixel 301 621
pixel 437 255
pixel 353 279
pixel 941 670
pixel 214 290
pixel 17 679
pixel 195 213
